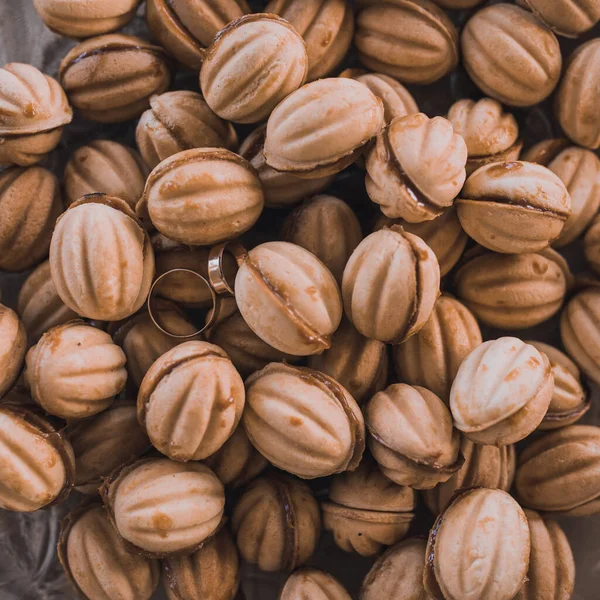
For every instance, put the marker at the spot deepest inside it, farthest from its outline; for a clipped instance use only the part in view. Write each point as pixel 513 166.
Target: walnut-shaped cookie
pixel 570 18
pixel 35 110
pixel 85 19
pixel 13 346
pixel 390 285
pixel 411 436
pixel 579 169
pixel 75 371
pixel 186 28
pixel 510 55
pixel 366 511
pixel 246 350
pixel 578 96
pixel 444 235
pixel 491 134
pixel 580 333
pixel 40 306
pixel 178 121
pixel 321 128
pixel 104 443
pixel 416 168
pixel 237 461
pixel 202 196
pixel 478 522
pixel 501 392
pixel 569 402
pixel 550 553
pixel 303 422
pixel 412 40
pixel 108 167
pixel 358 363
pixel 558 472
pixel 107 276
pixel 432 356
pixel 514 207
pixel 163 507
pixel 277 523
pixel 591 245
pixel 110 78
pixel 264 73
pixel 97 561
pixel 280 189
pixel 190 401
pixel 512 291
pixel 212 572
pixel 326 26
pixel 289 298
pixel 37 466
pixel 327 227
pixel 484 466
pixel 314 584
pixel 30 203
pixel 397 100
pixel 397 573
pixel 143 342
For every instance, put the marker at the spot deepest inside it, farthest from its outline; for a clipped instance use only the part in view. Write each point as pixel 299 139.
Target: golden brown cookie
pixel 390 285
pixel 111 78
pixel 412 40
pixel 303 422
pixel 30 203
pixel 34 114
pixel 510 55
pixel 178 121
pixel 264 73
pixel 514 207
pixel 105 276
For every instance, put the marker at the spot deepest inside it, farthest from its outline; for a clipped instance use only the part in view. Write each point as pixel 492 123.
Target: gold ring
pixel 213 313
pixel 216 274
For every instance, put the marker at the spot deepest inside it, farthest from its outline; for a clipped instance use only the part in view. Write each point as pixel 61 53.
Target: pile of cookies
pixel 204 330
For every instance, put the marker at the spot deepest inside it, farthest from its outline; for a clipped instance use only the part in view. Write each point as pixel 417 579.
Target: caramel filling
pixel 243 20
pixel 418 297
pixel 430 579
pixel 368 515
pixel 358 441
pixel 110 49
pixel 13 136
pixel 179 24
pixel 557 213
pixel 176 131
pixel 419 198
pixel 578 411
pixel 291 551
pixel 305 329
pixel 197 155
pixel 257 144
pixel 432 467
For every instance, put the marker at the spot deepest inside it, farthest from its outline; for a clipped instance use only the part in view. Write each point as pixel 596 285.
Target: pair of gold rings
pixel 216 283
